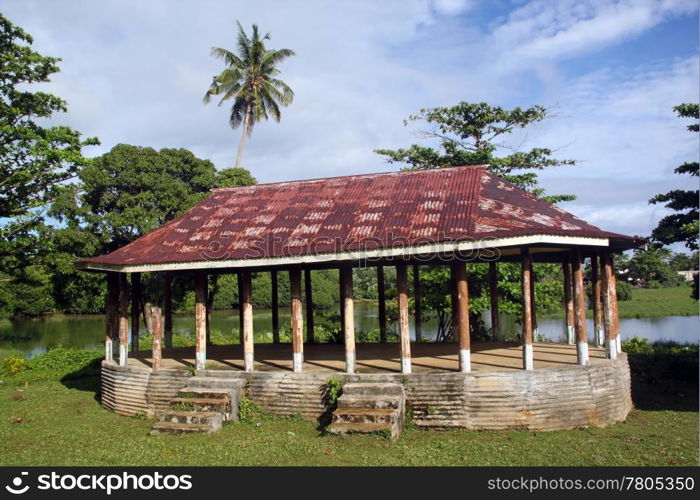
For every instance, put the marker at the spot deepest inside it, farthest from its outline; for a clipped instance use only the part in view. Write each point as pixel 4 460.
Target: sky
pixel 610 71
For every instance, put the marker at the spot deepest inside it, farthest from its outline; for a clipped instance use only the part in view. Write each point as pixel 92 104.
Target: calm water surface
pixel 34 336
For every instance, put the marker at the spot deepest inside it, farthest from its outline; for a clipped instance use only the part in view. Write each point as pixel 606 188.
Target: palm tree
pixel 249 79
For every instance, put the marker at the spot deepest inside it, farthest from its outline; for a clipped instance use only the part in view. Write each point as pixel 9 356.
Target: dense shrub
pixel 624 290
pixel 665 360
pixel 15 365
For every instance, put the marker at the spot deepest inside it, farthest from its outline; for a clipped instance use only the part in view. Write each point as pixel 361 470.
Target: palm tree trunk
pixel 246 122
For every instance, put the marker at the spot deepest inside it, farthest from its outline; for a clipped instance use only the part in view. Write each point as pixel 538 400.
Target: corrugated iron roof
pixel 349 213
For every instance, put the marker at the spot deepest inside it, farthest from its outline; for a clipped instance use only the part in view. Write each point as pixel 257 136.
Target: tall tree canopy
pixel 681 226
pixel 472 134
pixel 34 158
pixel 250 81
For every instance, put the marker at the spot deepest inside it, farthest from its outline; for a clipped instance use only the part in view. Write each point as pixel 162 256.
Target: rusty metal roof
pixel 337 214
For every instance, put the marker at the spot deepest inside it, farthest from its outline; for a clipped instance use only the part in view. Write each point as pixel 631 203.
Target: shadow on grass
pixel 85 378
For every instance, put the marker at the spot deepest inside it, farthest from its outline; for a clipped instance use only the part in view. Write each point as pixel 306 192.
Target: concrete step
pixel 218 382
pixel 221 405
pixel 366 415
pixel 229 375
pixel 207 392
pixel 372 389
pixel 362 401
pixel 363 428
pixel 211 418
pixel 180 428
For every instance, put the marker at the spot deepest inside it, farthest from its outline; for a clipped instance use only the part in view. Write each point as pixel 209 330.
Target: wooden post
pixel 608 309
pixel 247 307
pixel 123 319
pixel 533 301
pixel 275 309
pixel 111 313
pixel 349 317
pixel 200 326
pixel 297 319
pixel 613 304
pixel 568 299
pixel 579 309
pixel 459 277
pixel 309 307
pixel 404 332
pixel 135 310
pixel 240 308
pixel 493 292
pixel 381 299
pixel 418 316
pixel 156 351
pixel 168 309
pixel 528 361
pixel 596 287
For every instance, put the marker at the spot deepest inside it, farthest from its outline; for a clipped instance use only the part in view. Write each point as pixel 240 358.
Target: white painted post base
pixel 201 361
pixel 109 354
pixel 298 361
pixel 570 334
pixel 528 360
pixel 465 360
pixel 248 361
pixel 405 365
pixel 612 350
pixel 535 334
pixel 600 337
pixel 618 343
pixel 350 361
pixel 582 353
pixel 123 354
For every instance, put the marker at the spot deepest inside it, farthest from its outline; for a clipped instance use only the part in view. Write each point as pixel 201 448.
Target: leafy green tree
pixel 681 226
pixel 650 267
pixel 250 80
pixel 34 158
pixel 233 177
pixel 472 134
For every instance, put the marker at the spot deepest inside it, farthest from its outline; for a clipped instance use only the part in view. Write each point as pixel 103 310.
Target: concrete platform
pixel 374 358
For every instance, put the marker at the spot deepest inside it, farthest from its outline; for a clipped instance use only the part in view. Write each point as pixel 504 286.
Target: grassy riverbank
pixel 651 303
pixel 52 422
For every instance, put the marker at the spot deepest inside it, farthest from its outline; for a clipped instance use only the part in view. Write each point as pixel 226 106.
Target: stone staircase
pixel 370 408
pixel 203 406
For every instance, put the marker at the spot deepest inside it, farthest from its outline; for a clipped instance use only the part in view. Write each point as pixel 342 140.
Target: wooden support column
pixel 275 309
pixel 533 301
pixel 309 307
pixel 200 321
pixel 111 313
pixel 528 361
pixel 579 309
pixel 297 319
pixel 168 309
pixel 418 316
pixel 247 307
pixel 608 309
pixel 123 319
pixel 135 310
pixel 568 300
pixel 613 304
pixel 381 299
pixel 349 317
pixel 156 350
pixel 596 287
pixel 493 292
pixel 404 332
pixel 459 277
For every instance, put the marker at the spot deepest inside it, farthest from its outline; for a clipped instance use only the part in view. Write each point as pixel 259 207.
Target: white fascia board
pixel 425 250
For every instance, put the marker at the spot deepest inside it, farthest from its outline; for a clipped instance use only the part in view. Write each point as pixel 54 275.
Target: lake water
pixel 34 336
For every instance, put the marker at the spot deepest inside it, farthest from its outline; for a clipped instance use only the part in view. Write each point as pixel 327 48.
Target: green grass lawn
pixel 52 423
pixel 650 303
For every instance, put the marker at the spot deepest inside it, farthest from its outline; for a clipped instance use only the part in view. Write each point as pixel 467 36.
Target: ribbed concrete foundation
pixel 550 398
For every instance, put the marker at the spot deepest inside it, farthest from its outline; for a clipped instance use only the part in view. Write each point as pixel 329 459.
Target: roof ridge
pixel 356 176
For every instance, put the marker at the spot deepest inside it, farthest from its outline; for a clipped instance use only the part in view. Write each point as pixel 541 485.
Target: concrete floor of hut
pixel 374 358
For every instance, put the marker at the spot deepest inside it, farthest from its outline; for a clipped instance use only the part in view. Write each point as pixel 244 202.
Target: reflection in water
pixel 34 336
